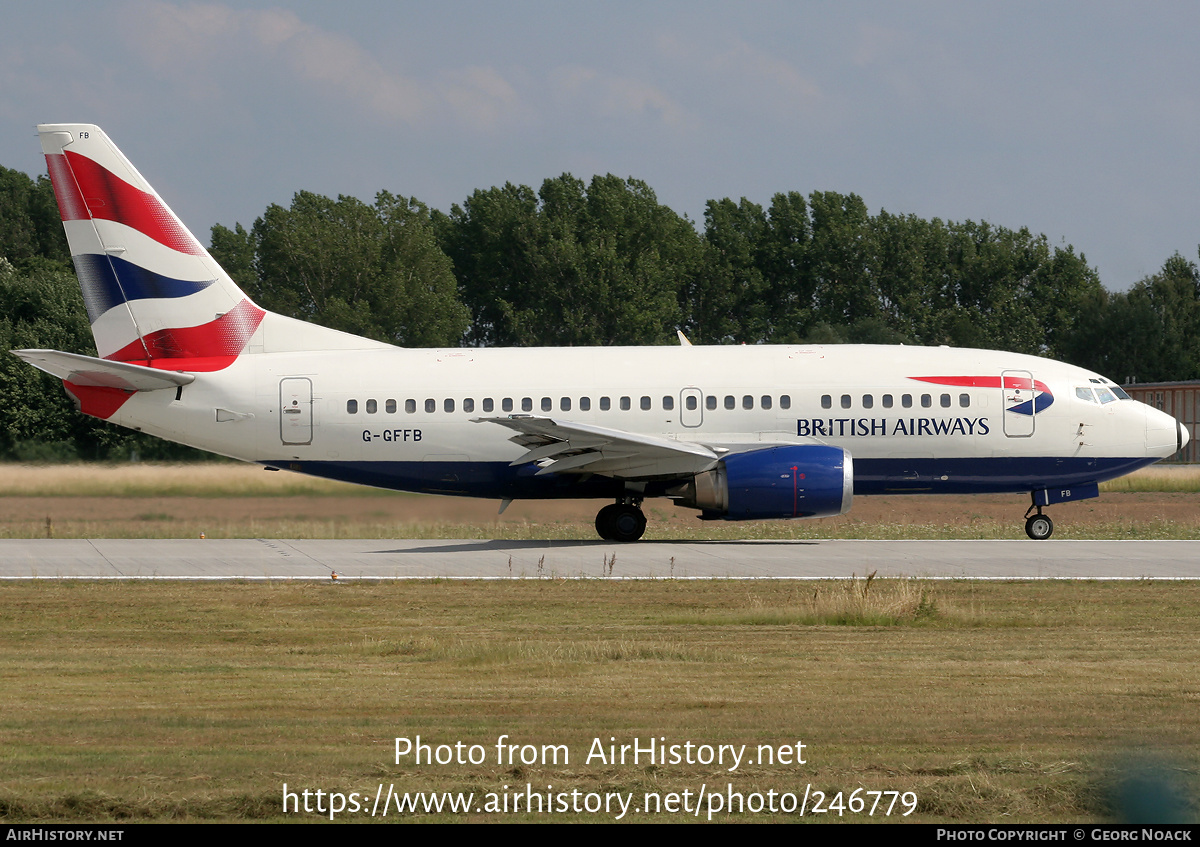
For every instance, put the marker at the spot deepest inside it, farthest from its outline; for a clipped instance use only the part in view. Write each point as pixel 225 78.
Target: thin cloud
pixel 196 42
pixel 617 96
pixel 481 97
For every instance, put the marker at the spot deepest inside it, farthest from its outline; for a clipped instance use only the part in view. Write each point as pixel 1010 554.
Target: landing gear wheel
pixel 620 522
pixel 1039 527
pixel 605 520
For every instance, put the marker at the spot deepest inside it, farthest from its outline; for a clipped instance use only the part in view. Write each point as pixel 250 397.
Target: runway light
pixel 333 575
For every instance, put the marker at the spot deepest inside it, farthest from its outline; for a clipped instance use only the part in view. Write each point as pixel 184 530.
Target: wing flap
pixel 568 447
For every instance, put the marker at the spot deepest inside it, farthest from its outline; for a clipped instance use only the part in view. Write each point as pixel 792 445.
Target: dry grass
pixel 853 602
pixel 216 479
pixel 1001 702
pixel 1183 478
pixel 230 500
pixel 238 479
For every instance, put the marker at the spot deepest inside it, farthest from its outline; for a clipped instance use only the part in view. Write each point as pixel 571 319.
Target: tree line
pixel 600 263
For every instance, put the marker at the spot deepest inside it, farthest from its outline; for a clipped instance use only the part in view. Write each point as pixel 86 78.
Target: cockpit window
pixel 1085 394
pixel 1104 394
pixel 1113 387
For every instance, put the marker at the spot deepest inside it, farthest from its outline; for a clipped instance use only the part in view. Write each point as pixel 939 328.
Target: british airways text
pixel 841 427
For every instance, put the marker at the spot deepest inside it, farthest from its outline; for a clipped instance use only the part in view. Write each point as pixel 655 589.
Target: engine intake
pixel 805 481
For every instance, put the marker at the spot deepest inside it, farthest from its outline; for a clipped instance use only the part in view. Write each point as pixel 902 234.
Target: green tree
pixel 840 258
pixel 784 257
pixel 494 241
pixel 572 264
pixel 913 277
pixel 1152 332
pixel 729 299
pixel 375 271
pixel 29 223
pixel 41 308
pixel 234 250
pixel 990 302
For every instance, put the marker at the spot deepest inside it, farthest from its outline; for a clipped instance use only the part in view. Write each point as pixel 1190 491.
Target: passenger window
pixel 668 402
pixel 826 401
pixel 488 405
pixel 964 400
pixel 352 407
pixel 448 405
pixel 372 407
pixel 766 401
pixel 506 404
pixel 887 401
pixel 410 406
pixel 926 401
pixel 845 401
pixel 430 406
pixel 564 404
pixel 585 404
pixel 605 404
pixel 730 402
pixel 785 401
pixel 868 401
pixel 747 402
pixel 945 401
pixel 469 404
pixel 547 404
pixel 645 403
pixel 690 402
pixel 710 402
pixel 390 407
pixel 906 401
pixel 526 404
pixel 625 404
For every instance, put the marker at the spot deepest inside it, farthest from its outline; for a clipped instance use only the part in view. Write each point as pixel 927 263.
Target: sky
pixel 1079 120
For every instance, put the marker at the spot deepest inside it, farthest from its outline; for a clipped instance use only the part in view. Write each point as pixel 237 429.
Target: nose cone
pixel 1165 436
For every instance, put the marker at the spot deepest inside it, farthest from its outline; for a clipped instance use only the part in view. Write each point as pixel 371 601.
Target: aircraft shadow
pixel 504 545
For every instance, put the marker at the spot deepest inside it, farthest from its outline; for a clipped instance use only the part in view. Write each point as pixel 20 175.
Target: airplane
pixel 736 432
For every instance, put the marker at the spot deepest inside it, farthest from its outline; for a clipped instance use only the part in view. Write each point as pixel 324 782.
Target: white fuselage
pixel 416 419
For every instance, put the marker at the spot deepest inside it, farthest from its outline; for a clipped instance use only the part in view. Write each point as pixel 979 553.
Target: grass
pixel 215 479
pixel 1158 478
pixel 855 602
pixel 238 479
pixel 233 500
pixel 1016 702
pixel 162 525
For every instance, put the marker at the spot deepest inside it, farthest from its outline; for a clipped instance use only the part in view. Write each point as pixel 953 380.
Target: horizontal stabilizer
pixel 90 371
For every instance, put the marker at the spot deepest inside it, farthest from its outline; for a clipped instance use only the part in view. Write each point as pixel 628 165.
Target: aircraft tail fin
pixel 153 294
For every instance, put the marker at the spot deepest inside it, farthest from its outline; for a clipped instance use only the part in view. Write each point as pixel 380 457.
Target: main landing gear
pixel 1038 526
pixel 621 521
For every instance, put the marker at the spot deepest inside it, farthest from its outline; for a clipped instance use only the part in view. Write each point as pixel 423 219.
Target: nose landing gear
pixel 622 521
pixel 1038 526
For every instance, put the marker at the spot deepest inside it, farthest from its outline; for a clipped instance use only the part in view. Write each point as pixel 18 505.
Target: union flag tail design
pixel 153 294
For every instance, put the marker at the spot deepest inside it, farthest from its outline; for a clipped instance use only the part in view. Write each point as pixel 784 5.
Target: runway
pixel 263 559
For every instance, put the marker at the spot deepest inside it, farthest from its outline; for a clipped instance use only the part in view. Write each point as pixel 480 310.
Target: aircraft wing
pixel 90 371
pixel 559 446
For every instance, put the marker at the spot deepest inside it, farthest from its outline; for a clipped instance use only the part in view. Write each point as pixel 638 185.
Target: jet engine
pixel 802 481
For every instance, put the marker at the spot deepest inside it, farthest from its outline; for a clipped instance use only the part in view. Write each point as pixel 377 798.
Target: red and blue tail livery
pixel 153 294
pixel 734 432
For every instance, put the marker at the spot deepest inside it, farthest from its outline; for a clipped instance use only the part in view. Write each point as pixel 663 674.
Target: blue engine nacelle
pixel 805 481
